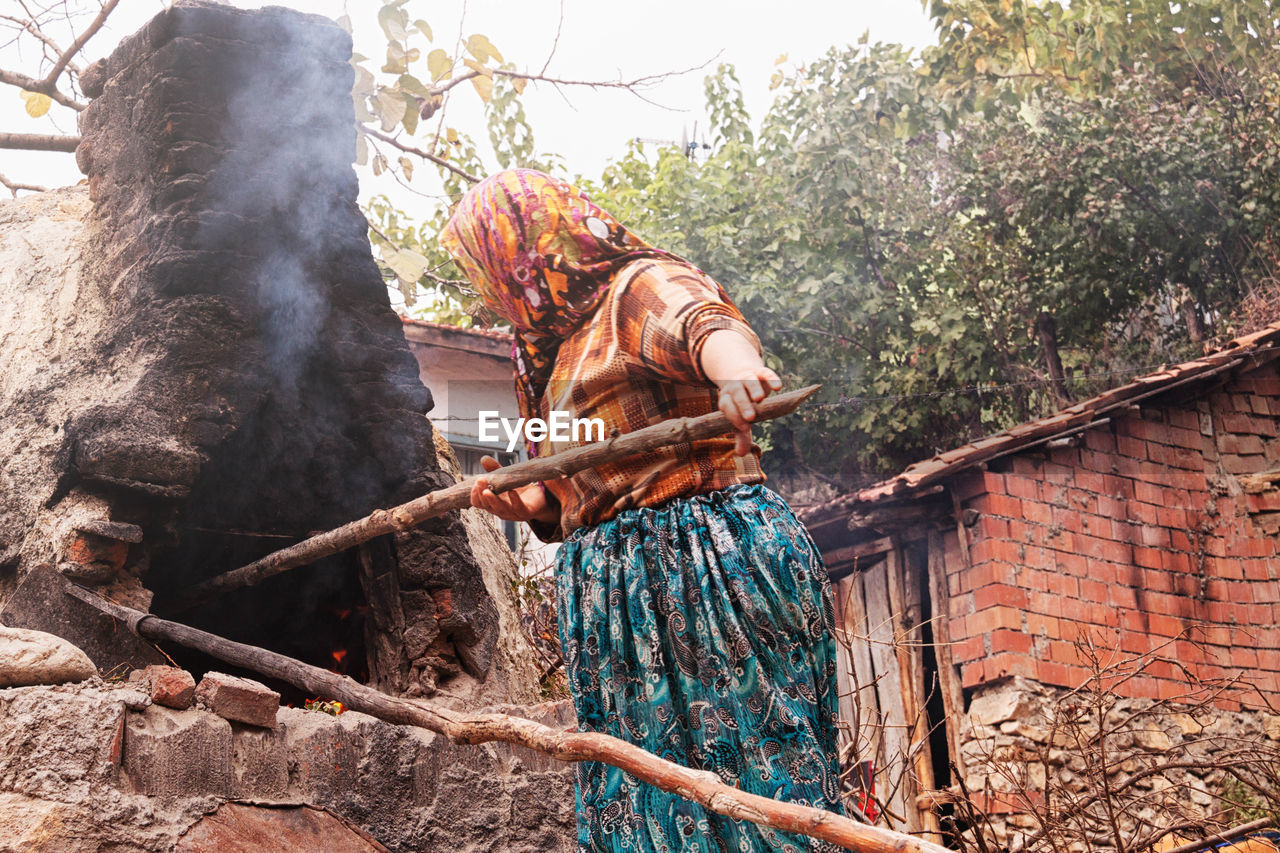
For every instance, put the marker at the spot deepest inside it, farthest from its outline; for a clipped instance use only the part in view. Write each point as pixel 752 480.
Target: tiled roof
pixel 492 334
pixel 1251 350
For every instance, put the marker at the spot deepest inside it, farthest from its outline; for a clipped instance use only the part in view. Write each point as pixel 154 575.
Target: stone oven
pixel 198 366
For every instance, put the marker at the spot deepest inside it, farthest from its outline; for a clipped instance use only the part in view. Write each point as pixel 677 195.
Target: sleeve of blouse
pixel 666 313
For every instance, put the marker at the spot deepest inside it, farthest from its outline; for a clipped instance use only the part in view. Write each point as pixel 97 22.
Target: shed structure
pixel 1144 519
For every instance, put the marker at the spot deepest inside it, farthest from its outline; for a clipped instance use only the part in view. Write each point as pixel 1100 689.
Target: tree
pixel 961 241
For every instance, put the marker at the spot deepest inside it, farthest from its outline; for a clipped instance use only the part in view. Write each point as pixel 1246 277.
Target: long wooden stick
pixel 458 496
pixel 697 785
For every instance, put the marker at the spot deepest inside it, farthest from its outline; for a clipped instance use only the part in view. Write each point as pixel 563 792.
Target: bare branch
pixel 22 81
pixel 409 149
pixel 556 41
pixel 51 79
pixel 14 187
pixel 38 141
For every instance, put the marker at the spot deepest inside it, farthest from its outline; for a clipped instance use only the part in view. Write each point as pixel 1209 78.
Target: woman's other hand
pixel 525 503
pixel 733 364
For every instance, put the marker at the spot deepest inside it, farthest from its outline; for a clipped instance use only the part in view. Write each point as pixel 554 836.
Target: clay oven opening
pixel 228 376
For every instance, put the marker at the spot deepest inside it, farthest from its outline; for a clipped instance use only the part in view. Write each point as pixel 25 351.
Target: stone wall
pixel 1030 753
pixel 1148 530
pixel 94 766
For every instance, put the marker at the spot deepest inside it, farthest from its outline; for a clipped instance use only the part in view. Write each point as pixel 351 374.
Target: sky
pixel 597 41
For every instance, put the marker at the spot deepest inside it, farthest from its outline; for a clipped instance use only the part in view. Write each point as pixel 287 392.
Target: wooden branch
pixel 426 155
pixel 38 141
pixel 50 80
pixel 14 186
pixel 458 496
pixel 699 786
pixel 30 84
pixel 1225 835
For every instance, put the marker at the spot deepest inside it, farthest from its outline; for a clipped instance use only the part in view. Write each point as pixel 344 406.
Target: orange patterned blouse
pixel 636 363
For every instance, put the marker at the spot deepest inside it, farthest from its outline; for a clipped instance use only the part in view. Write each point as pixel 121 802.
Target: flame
pixel 343 614
pixel 339 655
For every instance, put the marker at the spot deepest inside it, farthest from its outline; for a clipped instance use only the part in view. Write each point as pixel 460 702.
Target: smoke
pixel 285 179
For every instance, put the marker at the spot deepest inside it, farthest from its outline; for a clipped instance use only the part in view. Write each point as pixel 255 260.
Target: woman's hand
pixel 525 503
pixel 733 364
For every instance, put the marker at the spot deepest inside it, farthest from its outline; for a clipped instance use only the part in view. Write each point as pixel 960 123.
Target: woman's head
pixel 542 256
pixel 538 251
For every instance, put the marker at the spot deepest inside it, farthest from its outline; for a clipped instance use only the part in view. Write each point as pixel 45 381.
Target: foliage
pixel 959 242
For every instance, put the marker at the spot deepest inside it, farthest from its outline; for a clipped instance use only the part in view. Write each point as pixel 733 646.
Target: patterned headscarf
pixel 542 257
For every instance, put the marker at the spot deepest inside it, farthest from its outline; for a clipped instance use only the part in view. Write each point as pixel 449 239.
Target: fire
pixel 339 655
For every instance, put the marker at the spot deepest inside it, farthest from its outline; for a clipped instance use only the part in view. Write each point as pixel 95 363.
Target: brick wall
pixel 1140 534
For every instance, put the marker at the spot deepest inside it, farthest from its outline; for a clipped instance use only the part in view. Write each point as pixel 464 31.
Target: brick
pixel 997 594
pixel 1044 626
pixel 1011 641
pixel 167 685
pixel 1027 465
pixel 991 527
pixel 1025 488
pixel 239 699
pixel 1131 447
pixel 972 648
pixel 1122 596
pixel 1002 505
pixel 1100 439
pixel 986 621
pixel 1058 473
pixel 1243 445
pixel 1093 590
pixel 1037 512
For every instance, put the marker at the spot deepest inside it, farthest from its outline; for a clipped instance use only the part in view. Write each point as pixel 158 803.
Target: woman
pixel 694 610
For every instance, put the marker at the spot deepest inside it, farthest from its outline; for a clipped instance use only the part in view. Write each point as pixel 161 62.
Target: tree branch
pixel 38 141
pixel 22 81
pixel 700 786
pixel 48 84
pixel 409 149
pixel 14 187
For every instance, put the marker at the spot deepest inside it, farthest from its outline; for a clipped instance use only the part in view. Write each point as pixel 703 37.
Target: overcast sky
pixel 600 41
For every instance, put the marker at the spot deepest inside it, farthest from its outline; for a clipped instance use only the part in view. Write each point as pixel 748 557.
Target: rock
pixel 178 753
pixel 1015 699
pixel 167 685
pixel 34 657
pixel 1188 726
pixel 1153 740
pixel 239 699
pixel 1272 726
pixel 259 763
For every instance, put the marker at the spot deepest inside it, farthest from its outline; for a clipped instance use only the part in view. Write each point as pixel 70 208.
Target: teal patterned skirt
pixel 701 630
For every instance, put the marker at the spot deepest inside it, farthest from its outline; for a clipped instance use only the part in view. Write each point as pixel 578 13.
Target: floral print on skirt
pixel 700 630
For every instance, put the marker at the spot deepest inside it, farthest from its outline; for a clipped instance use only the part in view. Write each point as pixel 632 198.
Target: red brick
pixel 239 699
pixel 1268 501
pixel 1071 564
pixel 1189 439
pixel 1007 663
pixel 1187 419
pixel 1122 596
pixel 1093 590
pixel 988 620
pixel 1163 626
pixel 990 527
pixel 1045 604
pixel 1153 537
pixel 1064 585
pixel 1172 516
pixel 971 674
pixel 167 685
pixel 971 648
pixel 1135 448
pixel 1003 505
pixel 1100 439
pixel 1055 472
pixel 1035 511
pixel 1243 445
pixel 1157 581
pixel 1011 641
pixel 1026 488
pixel 1102 463
pixel 1027 465
pixel 990 596
pixel 968 485
pixel 1045 626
